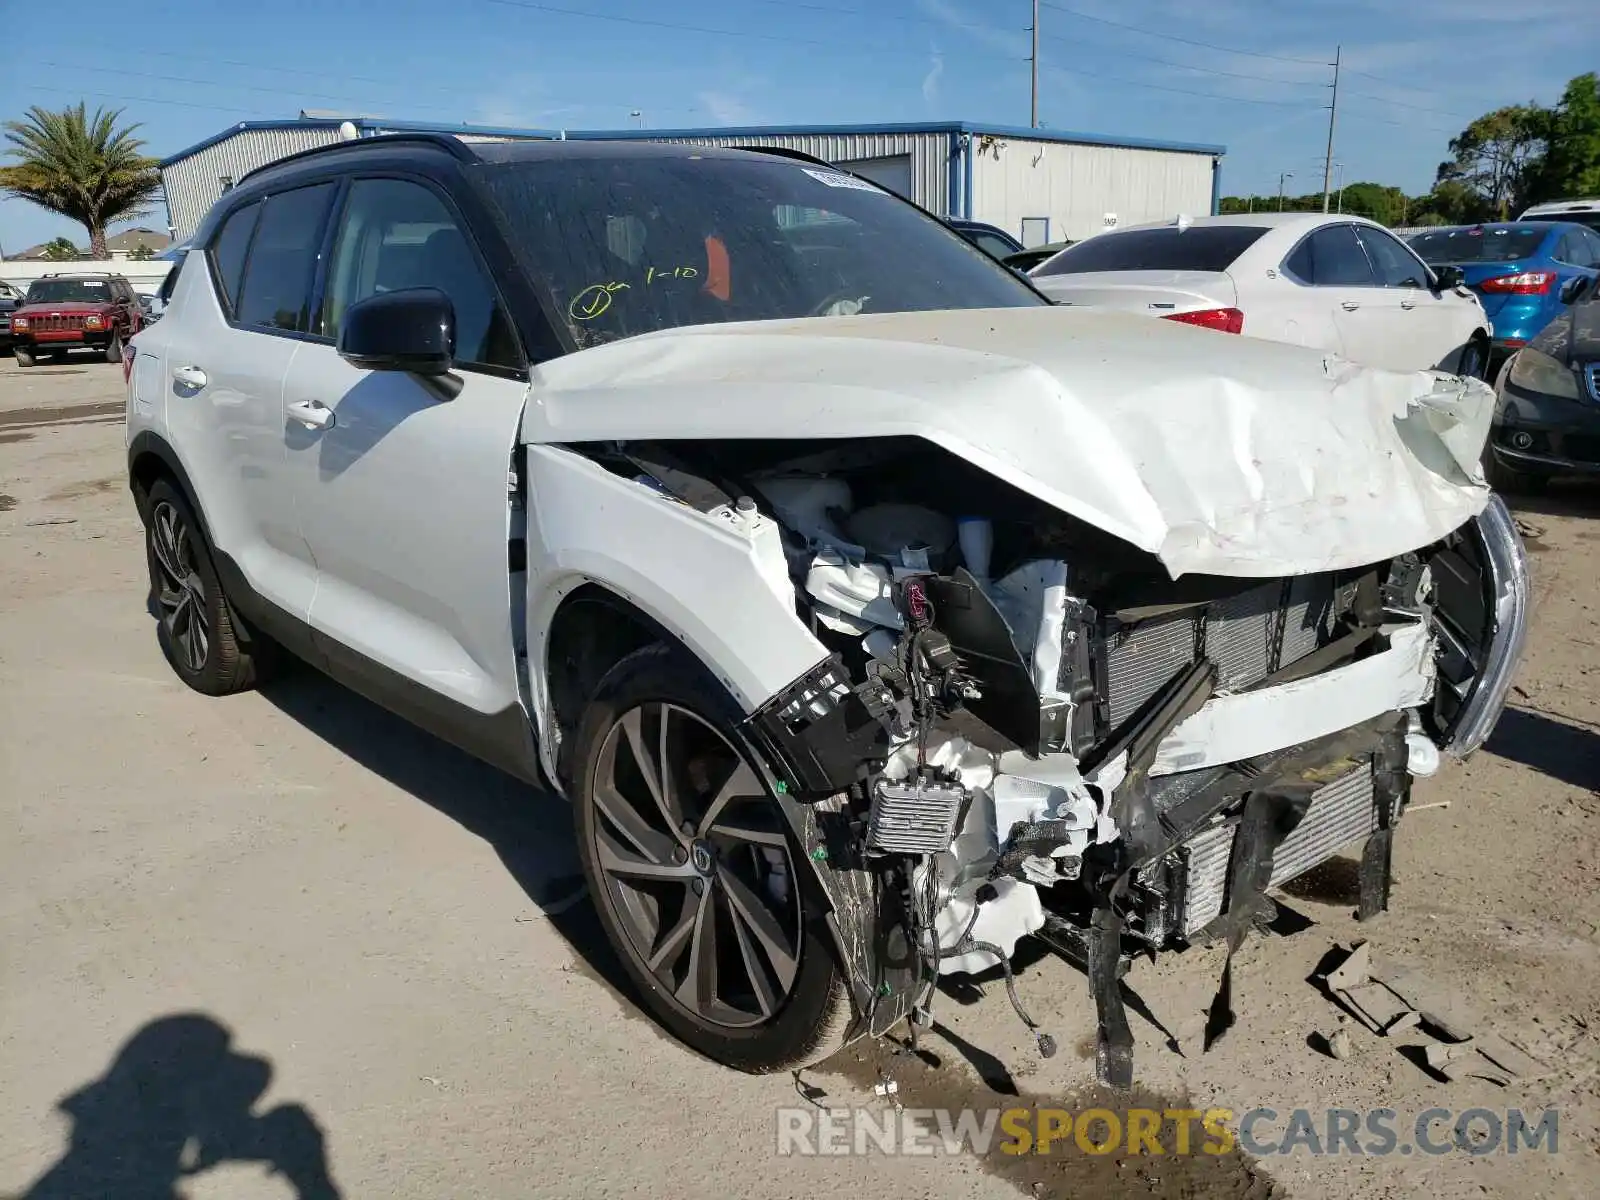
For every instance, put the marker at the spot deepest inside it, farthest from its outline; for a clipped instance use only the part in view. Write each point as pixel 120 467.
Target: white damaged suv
pixel 872 613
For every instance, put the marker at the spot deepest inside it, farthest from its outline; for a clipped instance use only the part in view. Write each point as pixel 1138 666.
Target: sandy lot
pixel 282 944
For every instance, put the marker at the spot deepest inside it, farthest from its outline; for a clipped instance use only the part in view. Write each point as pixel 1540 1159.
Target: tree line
pixel 1500 164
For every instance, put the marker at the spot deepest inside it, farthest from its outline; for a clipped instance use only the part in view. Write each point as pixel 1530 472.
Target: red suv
pixel 66 312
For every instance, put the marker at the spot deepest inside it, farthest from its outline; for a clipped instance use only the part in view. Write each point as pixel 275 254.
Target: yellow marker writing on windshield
pixel 592 301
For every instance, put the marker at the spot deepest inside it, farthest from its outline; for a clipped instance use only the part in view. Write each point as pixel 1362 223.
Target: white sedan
pixel 1338 283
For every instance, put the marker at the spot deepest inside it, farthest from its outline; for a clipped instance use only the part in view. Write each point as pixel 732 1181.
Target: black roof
pixel 524 150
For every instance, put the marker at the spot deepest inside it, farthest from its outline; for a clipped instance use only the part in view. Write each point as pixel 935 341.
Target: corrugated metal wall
pixel 1077 185
pixel 929 154
pixel 194 184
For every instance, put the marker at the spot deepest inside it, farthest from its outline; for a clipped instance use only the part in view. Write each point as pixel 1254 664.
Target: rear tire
pixel 24 355
pixel 696 855
pixel 200 634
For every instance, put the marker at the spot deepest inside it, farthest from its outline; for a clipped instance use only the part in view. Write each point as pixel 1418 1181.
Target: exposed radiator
pixel 1340 813
pixel 1248 637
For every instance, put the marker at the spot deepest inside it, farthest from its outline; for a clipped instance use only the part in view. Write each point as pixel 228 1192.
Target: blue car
pixel 1523 271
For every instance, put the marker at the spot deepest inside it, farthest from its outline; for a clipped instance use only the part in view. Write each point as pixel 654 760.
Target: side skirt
pixel 503 739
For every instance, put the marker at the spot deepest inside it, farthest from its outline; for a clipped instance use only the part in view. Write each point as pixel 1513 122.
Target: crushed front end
pixel 1081 749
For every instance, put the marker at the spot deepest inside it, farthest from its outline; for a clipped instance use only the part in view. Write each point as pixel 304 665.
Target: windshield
pixel 68 291
pixel 1168 248
pixel 632 244
pixel 1479 243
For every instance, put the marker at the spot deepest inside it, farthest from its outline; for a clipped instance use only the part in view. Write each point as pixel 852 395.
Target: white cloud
pixel 930 81
pixel 727 109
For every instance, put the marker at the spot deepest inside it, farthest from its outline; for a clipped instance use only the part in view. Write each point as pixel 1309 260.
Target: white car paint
pixel 1247 459
pixel 1399 328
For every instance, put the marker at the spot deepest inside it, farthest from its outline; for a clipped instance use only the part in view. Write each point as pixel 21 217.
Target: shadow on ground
pixel 178 1100
pixel 1561 498
pixel 1568 752
pixel 530 829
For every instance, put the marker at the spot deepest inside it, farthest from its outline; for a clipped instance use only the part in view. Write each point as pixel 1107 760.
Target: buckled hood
pixel 1216 453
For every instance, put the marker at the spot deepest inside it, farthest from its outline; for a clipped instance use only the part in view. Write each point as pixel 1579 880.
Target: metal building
pixel 195 178
pixel 1040 185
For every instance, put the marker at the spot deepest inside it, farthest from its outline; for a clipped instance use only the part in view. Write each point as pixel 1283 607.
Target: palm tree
pixel 81 167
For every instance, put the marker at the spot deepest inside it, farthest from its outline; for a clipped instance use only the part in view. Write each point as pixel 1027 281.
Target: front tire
pixel 114 349
pixel 693 870
pixel 196 625
pixel 24 355
pixel 1474 362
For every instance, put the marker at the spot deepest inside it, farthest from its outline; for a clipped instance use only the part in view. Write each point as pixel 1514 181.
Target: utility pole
pixel 1333 112
pixel 1034 62
pixel 1282 175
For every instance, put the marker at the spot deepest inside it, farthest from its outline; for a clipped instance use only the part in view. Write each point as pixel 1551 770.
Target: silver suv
pixel 872 613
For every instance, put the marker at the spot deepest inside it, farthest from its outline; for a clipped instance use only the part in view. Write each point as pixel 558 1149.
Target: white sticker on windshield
pixel 837 179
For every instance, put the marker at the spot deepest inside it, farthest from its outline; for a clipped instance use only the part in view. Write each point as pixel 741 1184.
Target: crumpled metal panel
pixel 1341 812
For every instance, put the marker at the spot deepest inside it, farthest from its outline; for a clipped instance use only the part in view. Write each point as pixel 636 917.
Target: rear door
pixel 226 355
pixel 404 495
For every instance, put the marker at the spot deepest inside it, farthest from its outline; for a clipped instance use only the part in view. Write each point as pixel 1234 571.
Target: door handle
pixel 313 414
pixel 192 377
pixel 1349 305
pixel 1408 304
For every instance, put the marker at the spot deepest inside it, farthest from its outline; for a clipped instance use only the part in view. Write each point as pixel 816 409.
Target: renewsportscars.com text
pixel 1262 1132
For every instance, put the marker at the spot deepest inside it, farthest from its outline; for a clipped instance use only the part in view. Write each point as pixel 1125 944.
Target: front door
pixel 1425 328
pixel 403 494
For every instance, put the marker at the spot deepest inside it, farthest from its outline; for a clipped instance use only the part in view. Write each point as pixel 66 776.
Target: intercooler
pixel 1248 636
pixel 1340 813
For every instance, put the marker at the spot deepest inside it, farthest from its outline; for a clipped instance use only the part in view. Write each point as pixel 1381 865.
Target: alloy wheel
pixel 696 866
pixel 180 591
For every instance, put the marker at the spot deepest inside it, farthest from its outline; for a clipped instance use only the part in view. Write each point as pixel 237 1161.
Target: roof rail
pixel 82 275
pixel 798 155
pixel 448 142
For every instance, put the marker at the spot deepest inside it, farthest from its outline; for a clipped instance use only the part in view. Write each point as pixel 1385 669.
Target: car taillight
pixel 1528 283
pixel 1223 320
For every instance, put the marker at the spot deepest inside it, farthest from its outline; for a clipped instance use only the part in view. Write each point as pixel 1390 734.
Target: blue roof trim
pixel 370 125
pixel 956 127
pixel 241 127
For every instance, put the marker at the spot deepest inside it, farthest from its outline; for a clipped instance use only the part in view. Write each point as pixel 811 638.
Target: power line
pixel 217 83
pixel 39 87
pixel 1165 62
pixel 649 23
pixel 1172 37
pixel 249 66
pixel 1442 112
pixel 1185 92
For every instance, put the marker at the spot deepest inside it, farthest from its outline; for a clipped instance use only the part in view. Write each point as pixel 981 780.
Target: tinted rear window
pixel 1487 243
pixel 283 255
pixel 1198 248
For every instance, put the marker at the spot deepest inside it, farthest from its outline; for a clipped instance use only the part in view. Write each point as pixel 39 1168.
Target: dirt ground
pixel 283 944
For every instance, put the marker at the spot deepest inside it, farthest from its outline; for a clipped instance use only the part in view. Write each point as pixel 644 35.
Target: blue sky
pixel 1244 73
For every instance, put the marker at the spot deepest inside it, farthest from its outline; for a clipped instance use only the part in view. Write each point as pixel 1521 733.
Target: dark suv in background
pixel 69 312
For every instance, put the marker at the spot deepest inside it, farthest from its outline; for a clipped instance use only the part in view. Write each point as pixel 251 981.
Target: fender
pixel 692 574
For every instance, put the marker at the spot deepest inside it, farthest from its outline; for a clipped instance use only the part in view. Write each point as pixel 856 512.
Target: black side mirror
pixel 1449 277
pixel 1573 290
pixel 413 329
